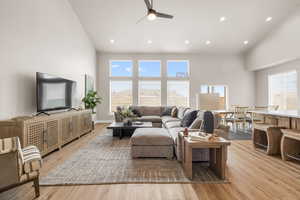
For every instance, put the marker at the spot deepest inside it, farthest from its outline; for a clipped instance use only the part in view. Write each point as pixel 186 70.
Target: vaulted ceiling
pixel 197 21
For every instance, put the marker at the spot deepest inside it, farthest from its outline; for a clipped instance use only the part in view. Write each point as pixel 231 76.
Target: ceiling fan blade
pixel 162 15
pixel 141 19
pixel 148 4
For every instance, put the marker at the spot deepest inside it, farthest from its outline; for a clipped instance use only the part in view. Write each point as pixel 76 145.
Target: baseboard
pixel 103 121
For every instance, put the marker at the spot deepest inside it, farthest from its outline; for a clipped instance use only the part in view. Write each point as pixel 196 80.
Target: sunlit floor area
pixel 252 175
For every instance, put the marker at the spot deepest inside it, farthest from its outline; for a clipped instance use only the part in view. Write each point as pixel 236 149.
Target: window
pixel 178 69
pixel 149 93
pixel 149 68
pixel 283 90
pixel 120 94
pixel 121 68
pixel 215 95
pixel 178 93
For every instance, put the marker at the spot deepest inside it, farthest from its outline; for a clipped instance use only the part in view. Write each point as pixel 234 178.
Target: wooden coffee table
pixel 119 127
pixel 217 155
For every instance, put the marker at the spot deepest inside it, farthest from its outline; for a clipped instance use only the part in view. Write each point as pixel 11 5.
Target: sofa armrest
pixel 32 159
pixel 9 169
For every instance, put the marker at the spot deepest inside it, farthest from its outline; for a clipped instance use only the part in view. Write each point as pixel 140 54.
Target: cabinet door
pixel 66 130
pixel 35 135
pixel 85 122
pixel 51 135
pixel 75 126
pixel 89 124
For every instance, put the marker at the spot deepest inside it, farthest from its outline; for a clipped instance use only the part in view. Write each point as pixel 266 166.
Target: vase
pixel 127 122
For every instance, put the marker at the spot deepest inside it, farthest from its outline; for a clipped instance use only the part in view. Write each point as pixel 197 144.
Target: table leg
pixel 120 133
pixel 188 161
pixel 218 161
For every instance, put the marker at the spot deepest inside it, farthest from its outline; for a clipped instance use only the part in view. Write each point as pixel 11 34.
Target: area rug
pixel 107 160
pixel 240 135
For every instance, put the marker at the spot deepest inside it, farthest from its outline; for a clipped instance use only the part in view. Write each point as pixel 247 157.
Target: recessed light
pixel 207 42
pixel 222 19
pixel 149 41
pixel 269 19
pixel 246 42
pixel 112 41
pixel 187 42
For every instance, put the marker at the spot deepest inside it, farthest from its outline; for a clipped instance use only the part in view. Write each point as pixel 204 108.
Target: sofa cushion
pixel 181 111
pixel 153 119
pixel 166 111
pixel 188 110
pixel 151 137
pixel 166 119
pixel 172 124
pixel 174 112
pixel 149 110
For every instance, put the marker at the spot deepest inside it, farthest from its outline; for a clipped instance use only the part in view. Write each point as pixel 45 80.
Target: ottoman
pixel 152 143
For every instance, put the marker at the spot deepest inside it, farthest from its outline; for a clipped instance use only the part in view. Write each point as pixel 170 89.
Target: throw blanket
pixel 208 122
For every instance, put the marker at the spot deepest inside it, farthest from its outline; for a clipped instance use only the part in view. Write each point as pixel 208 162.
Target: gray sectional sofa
pixel 173 125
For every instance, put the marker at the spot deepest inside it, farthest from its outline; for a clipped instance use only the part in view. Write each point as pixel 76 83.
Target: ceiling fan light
pixel 151 16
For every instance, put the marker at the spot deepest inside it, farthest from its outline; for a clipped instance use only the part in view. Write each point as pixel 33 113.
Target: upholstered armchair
pixel 18 166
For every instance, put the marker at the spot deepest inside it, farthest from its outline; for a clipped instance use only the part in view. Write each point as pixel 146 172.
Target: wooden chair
pixel 273 107
pixel 239 117
pixel 290 144
pixel 18 166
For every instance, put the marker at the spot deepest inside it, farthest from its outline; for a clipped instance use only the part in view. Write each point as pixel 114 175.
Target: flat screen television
pixel 53 93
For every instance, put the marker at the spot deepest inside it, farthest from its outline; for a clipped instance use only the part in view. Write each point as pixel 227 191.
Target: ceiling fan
pixel 153 14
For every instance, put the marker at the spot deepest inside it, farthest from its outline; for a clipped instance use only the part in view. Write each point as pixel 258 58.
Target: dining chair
pixel 273 107
pixel 239 117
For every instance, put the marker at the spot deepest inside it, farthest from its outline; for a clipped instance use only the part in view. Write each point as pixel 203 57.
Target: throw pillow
pixel 167 111
pixel 196 123
pixel 189 118
pixel 181 111
pixel 174 112
pixel 136 112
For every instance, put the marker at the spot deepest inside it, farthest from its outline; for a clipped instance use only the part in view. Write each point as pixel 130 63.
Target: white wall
pixel 44 36
pixel 261 81
pixel 280 46
pixel 205 69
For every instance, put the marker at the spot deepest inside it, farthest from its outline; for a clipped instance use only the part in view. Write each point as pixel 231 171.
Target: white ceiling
pixel 194 20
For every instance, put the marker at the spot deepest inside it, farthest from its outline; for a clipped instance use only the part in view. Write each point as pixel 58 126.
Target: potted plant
pixel 127 115
pixel 91 100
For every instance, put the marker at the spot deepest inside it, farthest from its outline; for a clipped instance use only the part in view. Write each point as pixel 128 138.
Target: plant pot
pixel 127 122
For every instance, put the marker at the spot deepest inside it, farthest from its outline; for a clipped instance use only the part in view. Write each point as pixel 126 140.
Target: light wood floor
pixel 253 175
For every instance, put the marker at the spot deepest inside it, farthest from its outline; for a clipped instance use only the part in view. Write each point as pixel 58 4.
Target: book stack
pixel 198 136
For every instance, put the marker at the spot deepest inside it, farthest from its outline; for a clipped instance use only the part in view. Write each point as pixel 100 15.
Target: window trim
pixel 174 77
pixel 149 77
pixel 132 69
pixel 139 89
pixel 189 92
